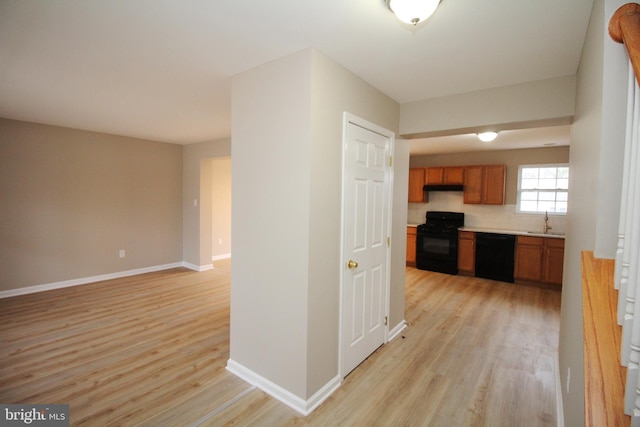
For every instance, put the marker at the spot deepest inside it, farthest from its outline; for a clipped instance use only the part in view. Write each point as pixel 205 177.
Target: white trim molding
pixel 305 407
pixel 99 278
pixel 396 330
pixel 559 407
pixel 219 257
pixel 198 268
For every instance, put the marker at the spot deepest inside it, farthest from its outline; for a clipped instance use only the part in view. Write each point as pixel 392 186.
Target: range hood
pixel 444 187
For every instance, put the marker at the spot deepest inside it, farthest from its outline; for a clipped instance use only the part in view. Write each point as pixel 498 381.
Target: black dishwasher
pixel 495 256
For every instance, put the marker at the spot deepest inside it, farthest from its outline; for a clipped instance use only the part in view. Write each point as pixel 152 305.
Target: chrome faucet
pixel 546 223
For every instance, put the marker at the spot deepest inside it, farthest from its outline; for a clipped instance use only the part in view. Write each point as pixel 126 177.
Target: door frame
pixel 349 119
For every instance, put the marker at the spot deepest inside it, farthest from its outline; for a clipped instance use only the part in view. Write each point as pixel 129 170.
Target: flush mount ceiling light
pixel 413 11
pixel 487 136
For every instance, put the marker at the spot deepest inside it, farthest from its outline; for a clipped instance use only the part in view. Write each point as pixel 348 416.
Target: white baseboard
pixel 305 407
pixel 198 268
pixel 559 407
pixel 396 330
pixel 99 278
pixel 219 257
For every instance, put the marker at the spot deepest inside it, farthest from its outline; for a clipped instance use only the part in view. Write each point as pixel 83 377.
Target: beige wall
pixel 270 228
pixel 511 158
pixel 594 189
pixel 399 233
pixel 582 213
pixel 71 199
pixel 541 103
pixel 287 125
pixel 335 90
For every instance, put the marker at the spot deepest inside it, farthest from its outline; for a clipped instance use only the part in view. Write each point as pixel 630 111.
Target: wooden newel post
pixel 624 27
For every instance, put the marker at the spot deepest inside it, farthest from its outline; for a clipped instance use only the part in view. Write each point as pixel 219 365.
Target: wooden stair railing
pixel 624 27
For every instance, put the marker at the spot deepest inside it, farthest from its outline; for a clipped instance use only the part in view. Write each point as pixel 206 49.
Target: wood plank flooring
pixel 151 350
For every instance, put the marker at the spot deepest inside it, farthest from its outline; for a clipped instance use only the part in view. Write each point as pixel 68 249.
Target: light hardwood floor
pixel 151 350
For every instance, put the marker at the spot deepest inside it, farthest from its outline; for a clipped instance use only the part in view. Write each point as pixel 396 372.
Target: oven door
pixel 437 252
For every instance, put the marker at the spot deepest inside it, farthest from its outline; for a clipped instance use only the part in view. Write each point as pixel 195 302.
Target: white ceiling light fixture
pixel 487 136
pixel 413 11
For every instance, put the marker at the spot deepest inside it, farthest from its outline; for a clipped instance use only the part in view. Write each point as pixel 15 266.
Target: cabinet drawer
pixel 411 230
pixel 530 240
pixel 552 242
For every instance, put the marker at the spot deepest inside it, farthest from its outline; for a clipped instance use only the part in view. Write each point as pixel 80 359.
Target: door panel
pixel 365 232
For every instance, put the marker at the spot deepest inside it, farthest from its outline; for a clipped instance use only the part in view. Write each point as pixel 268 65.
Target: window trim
pixel 519 188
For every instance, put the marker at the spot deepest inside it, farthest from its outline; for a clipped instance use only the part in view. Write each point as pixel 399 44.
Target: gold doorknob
pixel 352 264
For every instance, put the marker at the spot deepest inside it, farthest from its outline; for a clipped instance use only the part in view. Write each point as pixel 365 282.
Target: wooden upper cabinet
pixel 454 175
pixel 484 184
pixel 473 184
pixel 494 184
pixel 444 175
pixel 416 184
pixel 434 176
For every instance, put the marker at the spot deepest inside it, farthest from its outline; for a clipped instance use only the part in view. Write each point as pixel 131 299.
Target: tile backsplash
pixel 502 217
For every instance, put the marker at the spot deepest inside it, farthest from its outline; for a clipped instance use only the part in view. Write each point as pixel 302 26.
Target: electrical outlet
pixel 568 379
pixel 220 241
pixel 122 253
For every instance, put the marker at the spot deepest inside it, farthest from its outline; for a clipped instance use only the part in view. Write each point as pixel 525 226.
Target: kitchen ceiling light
pixel 413 11
pixel 487 136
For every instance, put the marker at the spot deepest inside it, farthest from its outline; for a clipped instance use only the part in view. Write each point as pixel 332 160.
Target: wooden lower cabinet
pixel 539 260
pixel 529 258
pixel 466 253
pixel 553 261
pixel 411 246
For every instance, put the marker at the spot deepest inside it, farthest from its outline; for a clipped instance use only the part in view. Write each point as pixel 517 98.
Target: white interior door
pixel 366 218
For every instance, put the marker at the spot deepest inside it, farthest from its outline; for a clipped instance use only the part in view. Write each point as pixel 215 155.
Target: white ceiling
pixel 161 69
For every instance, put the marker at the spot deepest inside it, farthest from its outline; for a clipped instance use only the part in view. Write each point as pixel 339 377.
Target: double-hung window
pixel 543 188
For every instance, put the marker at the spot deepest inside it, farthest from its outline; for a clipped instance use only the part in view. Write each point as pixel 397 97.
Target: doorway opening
pixel 215 209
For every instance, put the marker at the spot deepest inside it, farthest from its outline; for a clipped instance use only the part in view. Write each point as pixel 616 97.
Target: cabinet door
pixel 434 176
pixel 473 184
pixel 493 185
pixel 416 184
pixel 411 245
pixel 466 252
pixel 454 175
pixel 529 258
pixel 554 261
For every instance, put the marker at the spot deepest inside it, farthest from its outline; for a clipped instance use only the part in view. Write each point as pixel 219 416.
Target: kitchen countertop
pixel 514 232
pixel 412 225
